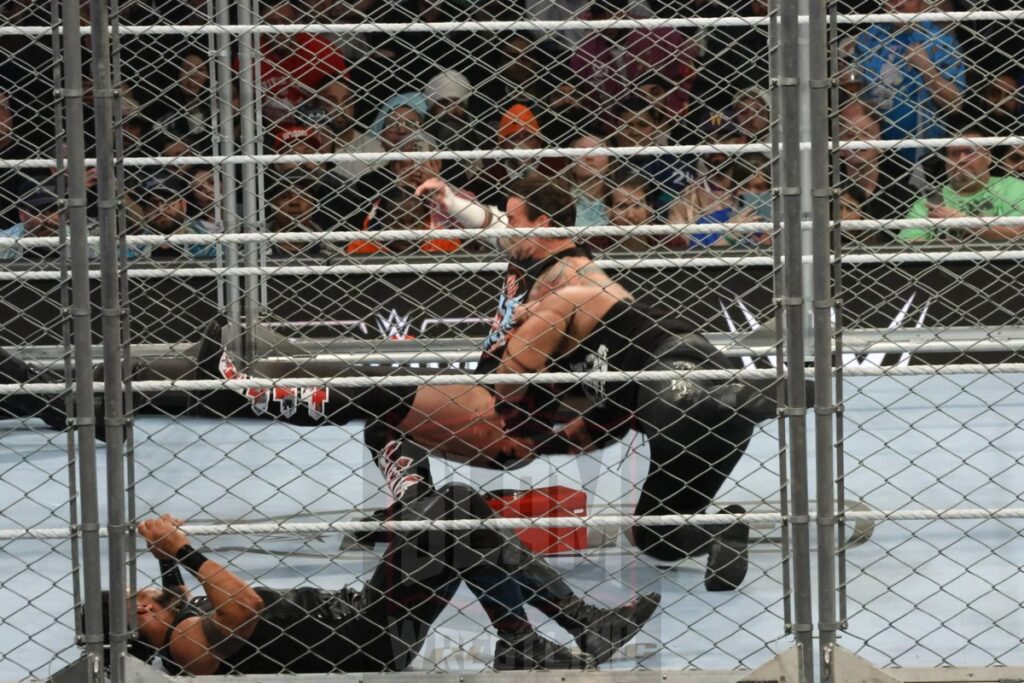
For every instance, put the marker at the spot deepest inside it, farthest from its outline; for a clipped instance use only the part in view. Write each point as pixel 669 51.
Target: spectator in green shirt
pixel 970 191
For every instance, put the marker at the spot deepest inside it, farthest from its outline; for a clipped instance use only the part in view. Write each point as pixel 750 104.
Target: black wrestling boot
pixel 530 651
pixel 46 408
pixel 599 631
pixel 725 545
pixel 214 402
pixel 727 554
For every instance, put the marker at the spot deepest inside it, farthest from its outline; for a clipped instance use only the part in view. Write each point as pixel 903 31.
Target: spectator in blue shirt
pixel 38 216
pixel 666 174
pixel 163 201
pixel 912 73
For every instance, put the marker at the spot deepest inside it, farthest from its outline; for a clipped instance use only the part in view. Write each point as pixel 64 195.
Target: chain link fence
pixel 255 251
pixel 937 84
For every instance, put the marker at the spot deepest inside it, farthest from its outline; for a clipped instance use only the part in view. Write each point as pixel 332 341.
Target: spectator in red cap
pixel 300 139
pixel 293 65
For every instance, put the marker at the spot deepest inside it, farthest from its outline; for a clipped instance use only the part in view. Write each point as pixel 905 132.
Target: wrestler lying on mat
pixel 239 628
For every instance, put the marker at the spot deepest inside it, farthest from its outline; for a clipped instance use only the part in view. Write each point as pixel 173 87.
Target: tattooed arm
pixel 577 271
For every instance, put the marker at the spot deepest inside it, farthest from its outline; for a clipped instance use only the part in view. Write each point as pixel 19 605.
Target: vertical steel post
pixel 221 78
pixel 105 98
pixel 125 341
pixel 807 168
pixel 248 47
pixel 59 152
pixel 793 305
pixel 778 285
pixel 824 410
pixel 81 309
pixel 837 305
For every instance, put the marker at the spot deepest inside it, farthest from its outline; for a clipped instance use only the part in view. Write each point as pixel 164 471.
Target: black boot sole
pixel 728 556
pixel 606 647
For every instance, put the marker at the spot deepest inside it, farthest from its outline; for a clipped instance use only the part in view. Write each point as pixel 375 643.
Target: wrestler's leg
pixel 454 420
pixel 48 408
pixel 420 559
pixel 308 406
pixel 598 631
pixel 461 423
pixel 467 423
pixel 697 434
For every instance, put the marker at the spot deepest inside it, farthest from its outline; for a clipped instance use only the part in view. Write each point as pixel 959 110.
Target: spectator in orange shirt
pixel 397 207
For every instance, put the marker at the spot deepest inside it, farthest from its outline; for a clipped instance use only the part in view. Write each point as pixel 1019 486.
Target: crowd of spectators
pixel 583 89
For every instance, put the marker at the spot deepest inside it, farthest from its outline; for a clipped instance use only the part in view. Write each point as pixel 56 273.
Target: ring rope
pixel 550 152
pixel 499 266
pixel 148 386
pixel 379 354
pixel 522 25
pixel 654 229
pixel 261 528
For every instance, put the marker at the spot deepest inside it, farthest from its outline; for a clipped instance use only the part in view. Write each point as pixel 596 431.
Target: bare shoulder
pixel 191 648
pixel 576 271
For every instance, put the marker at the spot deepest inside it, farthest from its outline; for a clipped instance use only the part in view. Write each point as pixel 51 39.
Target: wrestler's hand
pixel 164 537
pixel 464 210
pixel 437 191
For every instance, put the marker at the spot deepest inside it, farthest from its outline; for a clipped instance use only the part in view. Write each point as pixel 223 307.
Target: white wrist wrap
pixel 469 213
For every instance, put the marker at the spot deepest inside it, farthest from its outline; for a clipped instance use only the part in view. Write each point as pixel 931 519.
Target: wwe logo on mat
pixel 849 359
pixel 394 325
pixel 287 398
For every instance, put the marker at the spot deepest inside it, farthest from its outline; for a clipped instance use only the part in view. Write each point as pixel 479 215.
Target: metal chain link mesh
pixel 265 162
pixel 941 70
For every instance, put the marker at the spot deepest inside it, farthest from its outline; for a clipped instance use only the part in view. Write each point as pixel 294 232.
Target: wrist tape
pixel 190 558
